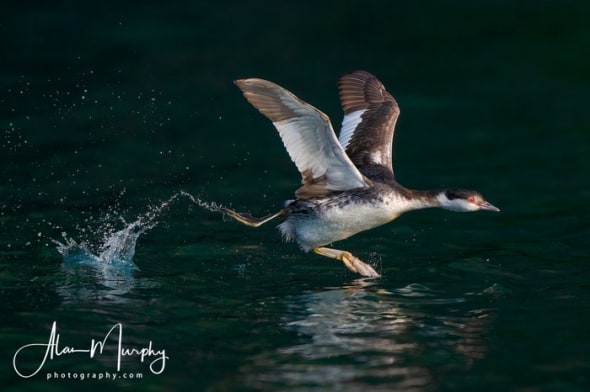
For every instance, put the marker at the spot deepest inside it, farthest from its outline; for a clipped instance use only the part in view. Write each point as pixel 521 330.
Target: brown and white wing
pixel 308 137
pixel 370 114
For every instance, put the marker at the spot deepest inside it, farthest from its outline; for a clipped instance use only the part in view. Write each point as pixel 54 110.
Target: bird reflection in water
pixel 362 336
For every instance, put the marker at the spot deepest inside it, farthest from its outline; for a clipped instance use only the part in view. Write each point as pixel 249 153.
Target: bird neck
pixel 440 198
pixel 420 199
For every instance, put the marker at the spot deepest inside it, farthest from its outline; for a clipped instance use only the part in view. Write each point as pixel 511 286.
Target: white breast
pixel 340 222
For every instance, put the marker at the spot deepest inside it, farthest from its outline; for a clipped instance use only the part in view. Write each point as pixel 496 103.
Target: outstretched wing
pixel 308 137
pixel 370 114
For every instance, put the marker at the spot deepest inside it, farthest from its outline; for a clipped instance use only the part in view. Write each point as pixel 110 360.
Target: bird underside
pixel 350 261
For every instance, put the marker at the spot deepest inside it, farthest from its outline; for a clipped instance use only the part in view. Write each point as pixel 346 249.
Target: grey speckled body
pixel 321 221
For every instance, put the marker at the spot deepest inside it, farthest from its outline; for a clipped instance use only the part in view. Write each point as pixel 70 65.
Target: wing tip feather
pixel 360 90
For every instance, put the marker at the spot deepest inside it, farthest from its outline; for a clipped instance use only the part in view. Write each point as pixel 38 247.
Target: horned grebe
pixel 348 183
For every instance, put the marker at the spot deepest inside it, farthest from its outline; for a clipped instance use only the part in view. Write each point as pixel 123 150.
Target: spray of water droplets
pixel 117 247
pixel 210 206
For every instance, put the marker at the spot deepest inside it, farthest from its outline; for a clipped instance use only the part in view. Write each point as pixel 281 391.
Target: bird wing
pixel 370 114
pixel 308 137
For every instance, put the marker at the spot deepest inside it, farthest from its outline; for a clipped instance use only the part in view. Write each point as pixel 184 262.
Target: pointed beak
pixel 488 207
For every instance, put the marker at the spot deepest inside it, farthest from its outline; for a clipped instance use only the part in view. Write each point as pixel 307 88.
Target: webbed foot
pixel 351 262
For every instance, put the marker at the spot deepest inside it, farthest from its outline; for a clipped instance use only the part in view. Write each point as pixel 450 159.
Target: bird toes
pixel 356 265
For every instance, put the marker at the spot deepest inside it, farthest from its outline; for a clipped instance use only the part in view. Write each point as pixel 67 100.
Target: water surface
pixel 109 113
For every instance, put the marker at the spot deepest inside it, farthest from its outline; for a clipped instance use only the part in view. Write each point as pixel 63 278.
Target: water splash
pixel 210 206
pixel 102 266
pixel 118 246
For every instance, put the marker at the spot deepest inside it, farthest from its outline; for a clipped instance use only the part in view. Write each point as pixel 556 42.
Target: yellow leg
pixel 248 219
pixel 351 262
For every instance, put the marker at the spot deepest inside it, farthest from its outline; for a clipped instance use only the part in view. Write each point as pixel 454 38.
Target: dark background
pixel 109 108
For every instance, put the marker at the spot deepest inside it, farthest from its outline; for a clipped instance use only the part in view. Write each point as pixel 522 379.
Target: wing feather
pixel 370 114
pixel 308 137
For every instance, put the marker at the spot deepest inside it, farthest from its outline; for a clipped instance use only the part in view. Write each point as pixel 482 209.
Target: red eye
pixel 471 199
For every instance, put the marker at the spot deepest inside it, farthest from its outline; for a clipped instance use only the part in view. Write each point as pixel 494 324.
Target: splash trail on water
pixel 210 206
pixel 117 247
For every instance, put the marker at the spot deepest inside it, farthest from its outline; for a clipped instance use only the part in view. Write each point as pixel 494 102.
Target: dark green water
pixel 107 111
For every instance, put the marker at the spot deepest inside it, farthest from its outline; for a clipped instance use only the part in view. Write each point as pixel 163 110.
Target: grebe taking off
pixel 348 183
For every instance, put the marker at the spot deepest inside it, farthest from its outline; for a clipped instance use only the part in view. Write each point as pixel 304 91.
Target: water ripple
pixel 361 334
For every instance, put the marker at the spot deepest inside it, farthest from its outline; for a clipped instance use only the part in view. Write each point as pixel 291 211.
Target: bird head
pixel 462 200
